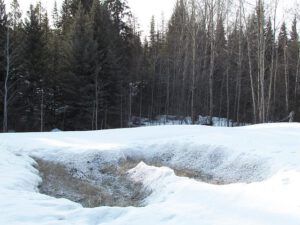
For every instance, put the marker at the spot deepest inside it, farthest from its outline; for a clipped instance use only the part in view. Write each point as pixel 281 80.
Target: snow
pixel 259 164
pixel 178 120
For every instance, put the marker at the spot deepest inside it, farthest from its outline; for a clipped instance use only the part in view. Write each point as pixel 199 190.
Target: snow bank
pixel 263 160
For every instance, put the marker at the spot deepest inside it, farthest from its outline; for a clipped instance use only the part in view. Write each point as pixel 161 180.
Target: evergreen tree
pixel 219 73
pixel 283 78
pixel 56 16
pixel 3 42
pixel 34 69
pixel 269 44
pixel 294 61
pixel 16 67
pixel 79 95
pixel 15 14
pixel 66 17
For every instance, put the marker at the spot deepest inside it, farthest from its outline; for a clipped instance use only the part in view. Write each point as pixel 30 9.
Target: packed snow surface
pixel 258 165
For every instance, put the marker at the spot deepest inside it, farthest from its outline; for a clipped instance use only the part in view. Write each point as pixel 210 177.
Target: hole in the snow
pixel 100 183
pixel 111 186
pixel 102 179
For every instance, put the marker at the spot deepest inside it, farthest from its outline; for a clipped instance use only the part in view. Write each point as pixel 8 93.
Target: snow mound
pixel 17 172
pixel 209 163
pixel 150 176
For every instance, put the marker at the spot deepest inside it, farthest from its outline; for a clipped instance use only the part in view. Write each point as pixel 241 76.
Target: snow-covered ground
pixel 261 165
pixel 178 120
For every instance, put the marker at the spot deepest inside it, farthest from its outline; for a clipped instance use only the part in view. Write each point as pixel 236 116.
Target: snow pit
pixel 110 187
pixel 103 179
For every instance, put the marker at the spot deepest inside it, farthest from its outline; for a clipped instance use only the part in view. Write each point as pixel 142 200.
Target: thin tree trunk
pixel 297 77
pixel 221 96
pixel 275 79
pixel 96 101
pixel 227 95
pixel 130 104
pixel 193 34
pixel 272 74
pixel 121 108
pixel 93 115
pixel 184 75
pixel 261 61
pixel 141 105
pixel 212 63
pixel 168 91
pixel 42 111
pixel 152 98
pixel 286 78
pixel 254 104
pixel 239 79
pixel 5 105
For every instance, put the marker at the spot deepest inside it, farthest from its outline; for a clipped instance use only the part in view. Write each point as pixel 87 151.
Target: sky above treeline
pixel 143 10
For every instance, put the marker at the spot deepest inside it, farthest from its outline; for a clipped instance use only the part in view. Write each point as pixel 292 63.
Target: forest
pixel 87 66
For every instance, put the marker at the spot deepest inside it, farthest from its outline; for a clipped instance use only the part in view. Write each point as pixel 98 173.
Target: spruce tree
pixel 294 63
pixel 3 46
pixel 281 109
pixel 34 68
pixel 78 88
pixel 16 66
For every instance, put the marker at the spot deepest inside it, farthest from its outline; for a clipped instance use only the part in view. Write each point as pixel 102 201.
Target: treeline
pixel 73 74
pixel 217 58
pixel 85 67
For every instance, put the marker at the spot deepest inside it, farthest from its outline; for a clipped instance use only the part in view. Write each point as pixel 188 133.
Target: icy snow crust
pixel 260 166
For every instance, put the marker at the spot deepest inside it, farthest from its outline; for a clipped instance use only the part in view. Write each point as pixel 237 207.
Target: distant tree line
pixel 86 68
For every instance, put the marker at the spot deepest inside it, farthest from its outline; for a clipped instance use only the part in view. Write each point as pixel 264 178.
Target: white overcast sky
pixel 144 9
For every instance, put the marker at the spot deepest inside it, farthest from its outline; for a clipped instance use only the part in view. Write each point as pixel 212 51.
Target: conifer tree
pixel 34 68
pixel 294 61
pixel 282 100
pixel 3 58
pixel 78 95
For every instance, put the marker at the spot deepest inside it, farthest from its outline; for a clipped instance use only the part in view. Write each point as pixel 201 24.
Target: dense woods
pixel 85 67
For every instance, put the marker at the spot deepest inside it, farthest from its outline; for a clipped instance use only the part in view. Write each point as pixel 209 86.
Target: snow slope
pixel 261 163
